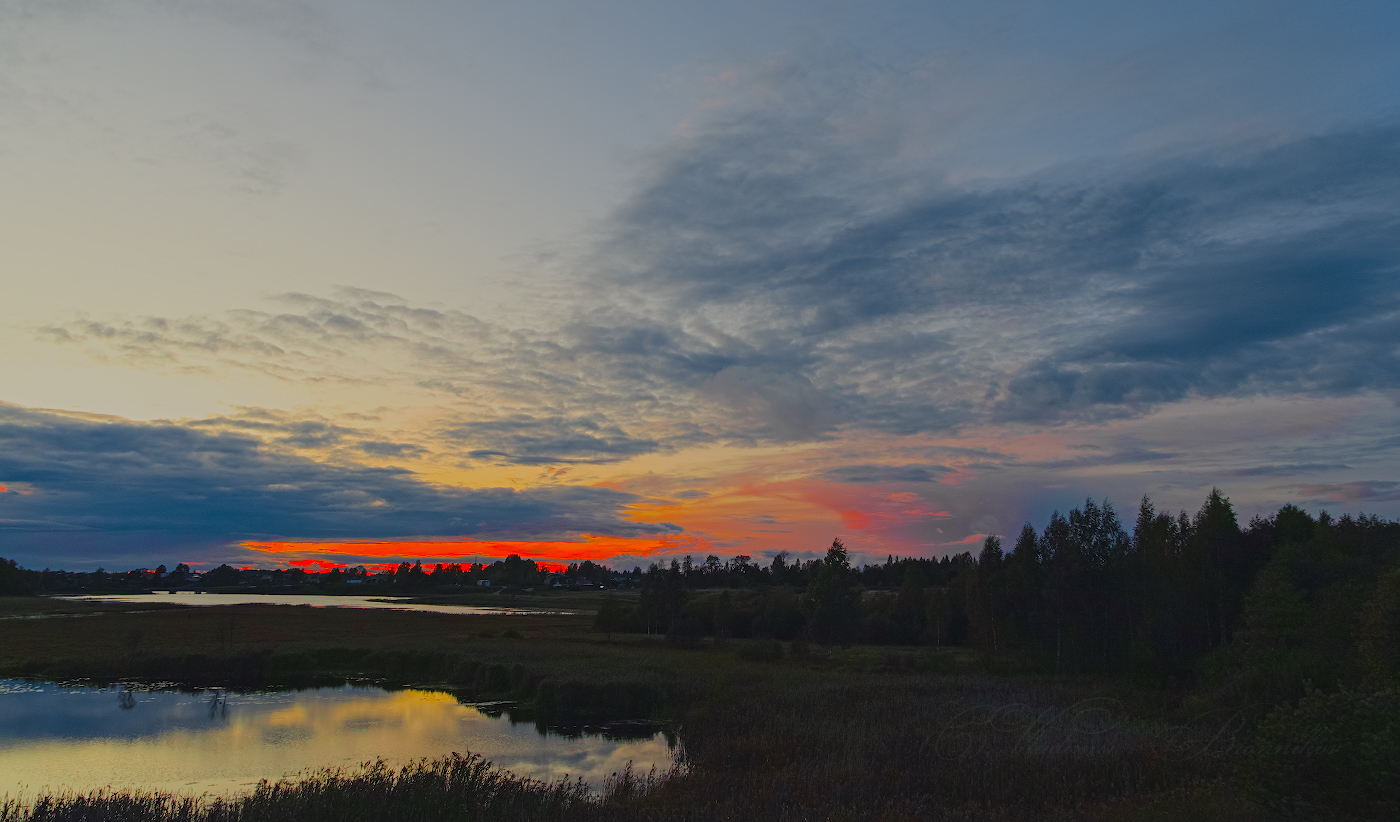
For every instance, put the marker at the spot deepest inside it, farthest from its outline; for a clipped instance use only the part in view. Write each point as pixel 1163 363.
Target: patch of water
pixel 314 600
pixel 55 737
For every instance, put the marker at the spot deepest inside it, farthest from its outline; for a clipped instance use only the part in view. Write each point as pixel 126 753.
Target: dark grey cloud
pixel 878 474
pixel 527 440
pixel 279 427
pixel 1286 470
pixel 66 473
pixel 1121 456
pixel 382 448
pixel 913 305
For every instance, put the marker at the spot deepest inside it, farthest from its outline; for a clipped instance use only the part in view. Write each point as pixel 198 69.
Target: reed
pixel 455 788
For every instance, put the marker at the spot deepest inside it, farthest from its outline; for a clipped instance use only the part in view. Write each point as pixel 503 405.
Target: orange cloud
pixel 591 546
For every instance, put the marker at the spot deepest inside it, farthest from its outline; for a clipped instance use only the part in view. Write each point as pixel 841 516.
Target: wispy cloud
pixel 878 474
pixel 1359 491
pixel 749 293
pixel 530 440
pixel 920 305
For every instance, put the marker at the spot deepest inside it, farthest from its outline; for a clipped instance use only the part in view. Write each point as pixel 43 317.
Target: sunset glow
pixel 348 285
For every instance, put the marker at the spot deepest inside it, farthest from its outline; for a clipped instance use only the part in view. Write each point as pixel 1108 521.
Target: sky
pixel 304 284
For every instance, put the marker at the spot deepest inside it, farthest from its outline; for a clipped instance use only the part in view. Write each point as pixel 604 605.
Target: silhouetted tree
pixel 911 606
pixel 12 578
pixel 221 576
pixel 1024 587
pixel 986 594
pixel 612 616
pixel 832 598
pixel 939 614
pixel 662 596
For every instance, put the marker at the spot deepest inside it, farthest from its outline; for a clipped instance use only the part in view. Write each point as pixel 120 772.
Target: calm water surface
pixel 314 600
pixel 56 736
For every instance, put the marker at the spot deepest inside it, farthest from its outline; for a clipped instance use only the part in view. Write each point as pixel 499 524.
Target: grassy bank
pixel 770 731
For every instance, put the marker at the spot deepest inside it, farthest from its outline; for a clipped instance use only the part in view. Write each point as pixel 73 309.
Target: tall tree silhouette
pixel 832 598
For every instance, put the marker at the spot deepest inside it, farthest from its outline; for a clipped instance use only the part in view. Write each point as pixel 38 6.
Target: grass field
pixel 769 731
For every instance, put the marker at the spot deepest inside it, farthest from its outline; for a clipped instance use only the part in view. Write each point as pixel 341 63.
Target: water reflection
pixel 314 600
pixel 218 705
pixel 215 741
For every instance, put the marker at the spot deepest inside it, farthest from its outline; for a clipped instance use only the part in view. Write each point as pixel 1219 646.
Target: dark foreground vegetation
pixel 454 788
pixel 1192 669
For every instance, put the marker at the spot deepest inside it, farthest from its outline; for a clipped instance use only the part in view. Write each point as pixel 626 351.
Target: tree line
pixel 1287 598
pixel 1081 594
pixel 513 571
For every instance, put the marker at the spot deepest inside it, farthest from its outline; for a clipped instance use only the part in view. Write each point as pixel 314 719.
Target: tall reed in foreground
pixel 451 789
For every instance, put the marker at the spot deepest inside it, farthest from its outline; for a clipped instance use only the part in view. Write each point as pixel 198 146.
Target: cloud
pixel 880 474
pixel 352 336
pixel 773 280
pixel 1290 470
pixel 526 440
pixel 774 406
pixel 911 304
pixel 1372 490
pixel 380 448
pixel 115 475
pixel 799 266
pixel 1122 456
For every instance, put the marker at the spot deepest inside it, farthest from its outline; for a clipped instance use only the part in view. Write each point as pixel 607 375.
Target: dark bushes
pixel 1332 756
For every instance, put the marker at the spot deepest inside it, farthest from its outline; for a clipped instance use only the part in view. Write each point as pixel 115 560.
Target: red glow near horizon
pixel 325 565
pixel 754 517
pixel 552 554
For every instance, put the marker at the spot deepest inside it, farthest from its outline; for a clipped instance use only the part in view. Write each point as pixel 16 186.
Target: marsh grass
pixel 797 747
pixel 454 788
pixel 770 731
pixel 916 747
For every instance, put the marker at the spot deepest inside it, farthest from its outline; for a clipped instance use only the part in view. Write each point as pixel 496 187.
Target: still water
pixel 314 600
pixel 64 737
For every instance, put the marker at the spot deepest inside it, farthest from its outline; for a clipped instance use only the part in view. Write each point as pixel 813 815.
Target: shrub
pixel 1330 756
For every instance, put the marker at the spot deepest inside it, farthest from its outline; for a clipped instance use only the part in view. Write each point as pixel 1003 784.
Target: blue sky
pixel 722 278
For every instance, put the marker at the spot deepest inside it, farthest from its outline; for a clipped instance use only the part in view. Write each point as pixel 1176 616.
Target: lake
pixel 81 738
pixel 314 600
